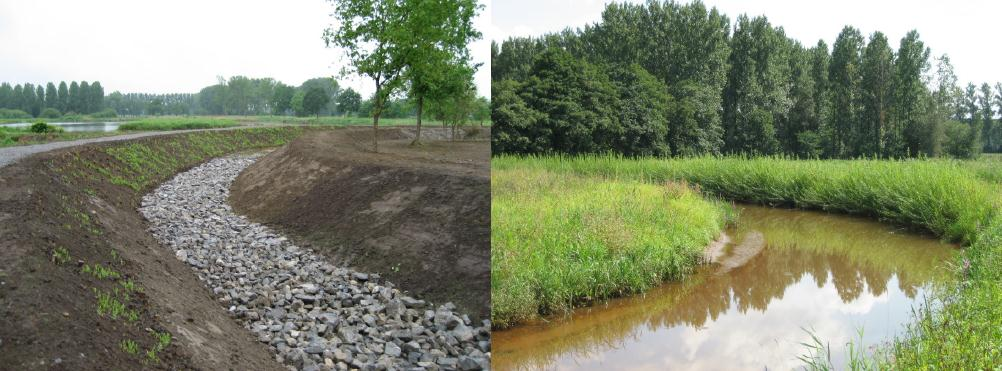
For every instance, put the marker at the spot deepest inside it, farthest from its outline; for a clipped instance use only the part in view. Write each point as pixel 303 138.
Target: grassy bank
pixel 177 123
pixel 558 240
pixel 80 250
pixel 948 198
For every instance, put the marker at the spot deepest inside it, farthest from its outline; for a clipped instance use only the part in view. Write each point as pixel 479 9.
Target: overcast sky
pixel 178 45
pixel 967 30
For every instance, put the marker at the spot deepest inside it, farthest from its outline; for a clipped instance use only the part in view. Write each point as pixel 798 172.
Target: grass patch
pixel 60 255
pixel 101 272
pixel 114 304
pixel 129 346
pixel 559 240
pixel 177 123
pixel 960 328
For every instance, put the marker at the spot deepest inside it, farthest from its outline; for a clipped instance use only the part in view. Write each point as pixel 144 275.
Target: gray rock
pixel 469 363
pixel 276 314
pixel 392 350
pixel 311 313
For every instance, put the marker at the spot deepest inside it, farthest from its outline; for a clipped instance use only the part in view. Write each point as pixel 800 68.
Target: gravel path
pixel 313 314
pixel 9 155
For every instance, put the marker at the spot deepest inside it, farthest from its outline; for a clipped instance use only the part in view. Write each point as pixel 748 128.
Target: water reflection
pixel 74 126
pixel 783 271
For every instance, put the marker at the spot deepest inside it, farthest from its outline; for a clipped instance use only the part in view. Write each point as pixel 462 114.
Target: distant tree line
pixel 51 101
pixel 664 78
pixel 240 95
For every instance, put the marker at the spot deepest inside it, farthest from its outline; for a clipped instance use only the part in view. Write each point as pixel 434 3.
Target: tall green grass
pixel 961 327
pixel 178 123
pixel 559 240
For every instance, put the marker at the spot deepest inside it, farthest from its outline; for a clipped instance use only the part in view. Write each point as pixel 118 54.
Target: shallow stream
pixel 782 272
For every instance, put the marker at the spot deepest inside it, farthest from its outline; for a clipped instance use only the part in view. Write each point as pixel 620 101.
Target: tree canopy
pixel 667 78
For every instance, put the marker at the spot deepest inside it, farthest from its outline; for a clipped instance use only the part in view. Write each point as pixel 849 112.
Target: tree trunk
pixel 420 110
pixel 375 119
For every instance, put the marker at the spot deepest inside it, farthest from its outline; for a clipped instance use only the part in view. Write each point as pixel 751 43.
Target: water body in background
pixel 74 126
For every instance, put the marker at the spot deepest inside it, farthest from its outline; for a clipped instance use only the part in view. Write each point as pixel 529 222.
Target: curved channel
pixel 781 273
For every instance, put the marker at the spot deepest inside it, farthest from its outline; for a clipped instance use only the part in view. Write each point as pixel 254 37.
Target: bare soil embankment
pixel 65 213
pixel 418 215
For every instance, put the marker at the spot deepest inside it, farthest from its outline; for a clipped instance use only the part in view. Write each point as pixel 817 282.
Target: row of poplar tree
pixel 82 98
pixel 664 78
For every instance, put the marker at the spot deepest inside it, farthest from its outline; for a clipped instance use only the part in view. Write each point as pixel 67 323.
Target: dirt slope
pixel 67 201
pixel 419 216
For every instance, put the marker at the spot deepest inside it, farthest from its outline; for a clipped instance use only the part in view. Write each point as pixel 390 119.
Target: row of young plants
pixel 961 328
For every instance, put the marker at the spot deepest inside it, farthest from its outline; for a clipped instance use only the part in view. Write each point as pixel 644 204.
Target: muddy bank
pixel 80 277
pixel 419 216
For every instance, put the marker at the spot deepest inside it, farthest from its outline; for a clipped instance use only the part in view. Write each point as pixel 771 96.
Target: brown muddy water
pixel 781 272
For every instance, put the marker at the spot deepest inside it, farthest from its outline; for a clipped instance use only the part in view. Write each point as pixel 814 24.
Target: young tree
pixel 372 34
pixel 483 110
pixel 436 54
pixel 314 101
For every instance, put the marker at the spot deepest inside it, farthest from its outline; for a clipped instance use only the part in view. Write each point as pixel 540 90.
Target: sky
pixel 966 30
pixel 178 46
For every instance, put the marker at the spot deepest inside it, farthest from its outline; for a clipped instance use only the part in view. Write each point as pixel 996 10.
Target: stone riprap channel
pixel 314 315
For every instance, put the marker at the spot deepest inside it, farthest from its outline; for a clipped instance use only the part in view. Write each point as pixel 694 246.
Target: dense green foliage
pixel 422 46
pixel 82 98
pixel 558 240
pixel 43 128
pixel 746 88
pixel 952 199
pixel 315 100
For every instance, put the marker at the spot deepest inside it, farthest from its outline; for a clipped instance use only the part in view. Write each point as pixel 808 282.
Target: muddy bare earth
pixel 63 214
pixel 417 215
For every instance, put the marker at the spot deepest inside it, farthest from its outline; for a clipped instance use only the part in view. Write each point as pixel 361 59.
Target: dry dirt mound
pixel 418 215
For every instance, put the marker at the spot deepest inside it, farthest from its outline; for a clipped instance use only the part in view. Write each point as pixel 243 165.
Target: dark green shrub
pixel 43 128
